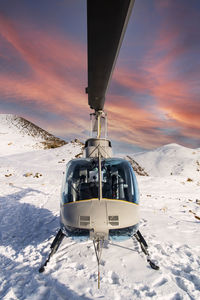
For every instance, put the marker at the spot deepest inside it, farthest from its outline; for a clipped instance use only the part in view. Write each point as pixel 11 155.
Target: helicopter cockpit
pixel 82 180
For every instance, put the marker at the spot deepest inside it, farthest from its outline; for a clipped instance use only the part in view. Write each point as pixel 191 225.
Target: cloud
pixel 152 103
pixel 169 77
pixel 173 104
pixel 57 68
pixel 133 124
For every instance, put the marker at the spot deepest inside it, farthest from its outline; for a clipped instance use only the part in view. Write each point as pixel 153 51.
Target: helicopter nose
pixel 99 221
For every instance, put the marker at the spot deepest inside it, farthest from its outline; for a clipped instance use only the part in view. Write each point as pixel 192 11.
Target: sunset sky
pixel 154 95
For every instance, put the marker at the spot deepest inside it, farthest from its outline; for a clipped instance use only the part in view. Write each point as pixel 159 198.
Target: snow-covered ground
pixel 30 184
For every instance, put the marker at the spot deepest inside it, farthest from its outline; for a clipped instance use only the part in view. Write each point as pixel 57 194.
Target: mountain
pixel 30 184
pixel 172 159
pixel 20 135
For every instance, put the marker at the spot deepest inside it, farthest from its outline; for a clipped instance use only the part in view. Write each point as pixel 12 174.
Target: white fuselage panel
pixel 100 216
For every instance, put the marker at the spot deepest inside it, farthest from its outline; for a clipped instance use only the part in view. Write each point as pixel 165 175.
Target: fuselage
pixel 82 210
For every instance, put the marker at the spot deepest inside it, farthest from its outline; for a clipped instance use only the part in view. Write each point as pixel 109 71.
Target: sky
pixel 154 95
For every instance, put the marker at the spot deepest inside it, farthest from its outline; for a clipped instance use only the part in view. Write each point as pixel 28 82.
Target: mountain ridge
pixel 26 127
pixel 20 135
pixel 170 159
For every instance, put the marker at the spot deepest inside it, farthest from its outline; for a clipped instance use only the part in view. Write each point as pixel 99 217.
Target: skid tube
pixel 144 247
pixel 54 247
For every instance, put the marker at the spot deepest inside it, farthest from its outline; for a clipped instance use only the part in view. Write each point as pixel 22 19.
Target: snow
pixel 13 141
pixel 29 214
pixel 170 159
pixel 18 135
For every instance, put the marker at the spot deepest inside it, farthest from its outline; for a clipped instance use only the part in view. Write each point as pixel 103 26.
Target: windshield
pixel 82 182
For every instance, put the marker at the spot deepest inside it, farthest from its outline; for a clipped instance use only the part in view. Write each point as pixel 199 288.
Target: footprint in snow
pixel 80 267
pixel 161 281
pixel 113 278
pixel 102 262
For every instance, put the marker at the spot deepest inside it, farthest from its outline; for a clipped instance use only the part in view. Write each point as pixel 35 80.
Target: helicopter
pixel 99 195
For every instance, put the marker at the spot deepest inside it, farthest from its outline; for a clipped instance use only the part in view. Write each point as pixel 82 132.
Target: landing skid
pixel 98 245
pixel 54 247
pixel 144 247
pixel 97 242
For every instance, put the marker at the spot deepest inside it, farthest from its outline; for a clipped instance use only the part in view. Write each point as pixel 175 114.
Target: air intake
pixel 113 220
pixel 84 220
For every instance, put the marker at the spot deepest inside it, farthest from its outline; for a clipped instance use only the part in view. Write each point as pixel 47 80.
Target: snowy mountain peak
pixel 171 159
pixel 170 146
pixel 20 135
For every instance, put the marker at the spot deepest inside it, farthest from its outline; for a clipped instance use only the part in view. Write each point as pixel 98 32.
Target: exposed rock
pixel 37 175
pixel 25 128
pixel 28 174
pixel 79 155
pixel 136 167
pixel 189 180
pixel 76 141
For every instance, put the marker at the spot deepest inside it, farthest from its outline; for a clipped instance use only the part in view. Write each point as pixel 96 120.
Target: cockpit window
pixel 82 182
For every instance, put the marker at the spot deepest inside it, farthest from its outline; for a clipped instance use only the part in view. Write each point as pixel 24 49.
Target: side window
pixel 136 195
pixel 117 183
pixel 81 181
pixel 71 182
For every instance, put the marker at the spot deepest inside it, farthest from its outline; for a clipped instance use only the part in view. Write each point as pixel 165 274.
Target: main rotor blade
pixel 106 24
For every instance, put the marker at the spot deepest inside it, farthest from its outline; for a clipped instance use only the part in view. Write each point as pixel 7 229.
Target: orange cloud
pixel 55 63
pixel 136 81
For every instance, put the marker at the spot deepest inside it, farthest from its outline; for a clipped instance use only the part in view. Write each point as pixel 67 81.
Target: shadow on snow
pixel 21 281
pixel 24 224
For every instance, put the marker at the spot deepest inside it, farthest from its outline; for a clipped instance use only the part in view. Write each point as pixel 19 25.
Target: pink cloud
pixel 175 100
pixel 57 65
